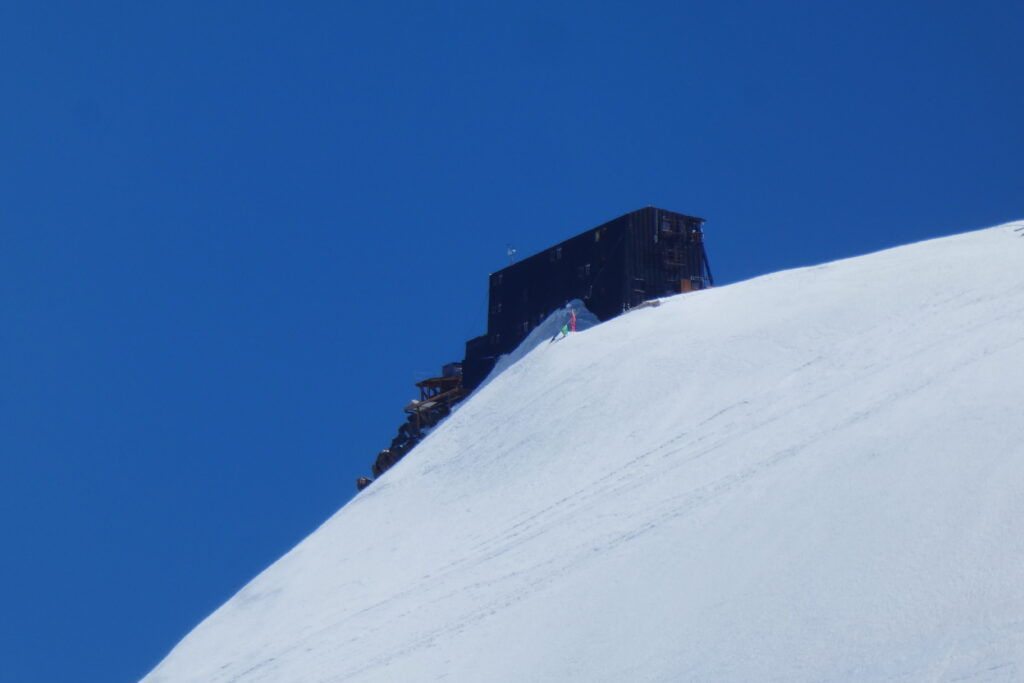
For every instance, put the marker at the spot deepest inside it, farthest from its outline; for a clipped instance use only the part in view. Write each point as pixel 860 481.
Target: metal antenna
pixel 511 251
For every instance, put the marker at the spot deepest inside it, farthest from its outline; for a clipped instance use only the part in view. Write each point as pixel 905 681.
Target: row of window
pixel 581 272
pixel 553 256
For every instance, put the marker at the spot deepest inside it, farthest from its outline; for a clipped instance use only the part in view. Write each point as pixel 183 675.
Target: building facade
pixel 643 255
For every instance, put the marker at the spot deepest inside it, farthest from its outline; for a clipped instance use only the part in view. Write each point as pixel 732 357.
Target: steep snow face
pixel 547 332
pixel 814 475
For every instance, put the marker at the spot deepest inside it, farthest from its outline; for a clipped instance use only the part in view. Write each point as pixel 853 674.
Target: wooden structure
pixel 437 397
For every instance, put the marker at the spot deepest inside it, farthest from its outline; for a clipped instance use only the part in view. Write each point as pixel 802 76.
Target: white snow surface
pixel 547 332
pixel 815 475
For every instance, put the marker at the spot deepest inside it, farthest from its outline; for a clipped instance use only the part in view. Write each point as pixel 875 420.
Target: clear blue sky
pixel 232 234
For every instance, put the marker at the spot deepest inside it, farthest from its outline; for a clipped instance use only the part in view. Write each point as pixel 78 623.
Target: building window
pixel 558 253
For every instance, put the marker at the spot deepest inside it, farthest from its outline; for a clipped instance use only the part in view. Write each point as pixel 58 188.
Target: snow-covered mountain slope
pixel 816 475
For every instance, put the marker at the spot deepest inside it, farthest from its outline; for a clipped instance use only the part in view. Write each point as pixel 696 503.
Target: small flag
pixel 573 312
pixel 565 330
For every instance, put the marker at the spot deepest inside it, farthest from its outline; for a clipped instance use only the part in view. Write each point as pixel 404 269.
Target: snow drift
pixel 546 332
pixel 813 475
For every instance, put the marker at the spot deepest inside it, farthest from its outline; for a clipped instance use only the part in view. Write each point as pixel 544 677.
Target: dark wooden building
pixel 642 255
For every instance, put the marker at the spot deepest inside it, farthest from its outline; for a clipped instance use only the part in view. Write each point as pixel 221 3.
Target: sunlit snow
pixel 815 475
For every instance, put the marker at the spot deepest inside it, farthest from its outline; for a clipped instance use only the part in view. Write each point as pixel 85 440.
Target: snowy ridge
pixel 549 330
pixel 813 475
